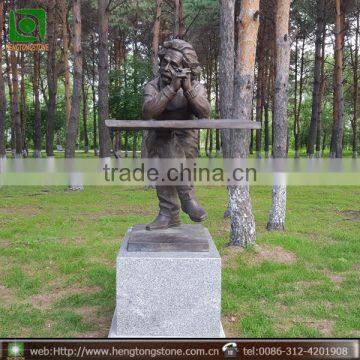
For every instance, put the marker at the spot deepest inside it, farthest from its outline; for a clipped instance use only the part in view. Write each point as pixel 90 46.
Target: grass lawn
pixel 58 250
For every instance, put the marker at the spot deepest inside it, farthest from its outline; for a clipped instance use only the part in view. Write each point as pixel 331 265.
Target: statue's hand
pixel 186 83
pixel 175 82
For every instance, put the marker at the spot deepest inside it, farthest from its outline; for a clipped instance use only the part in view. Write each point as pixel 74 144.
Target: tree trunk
pixel 51 77
pixel 273 86
pixel 181 20
pixel 176 19
pixel 316 94
pixel 269 98
pixel 280 121
pixel 2 90
pixel 126 143
pixel 318 126
pixel 155 39
pixel 242 218
pixel 209 84
pixel 266 128
pixel 72 129
pixel 298 107
pixel 251 147
pixel 117 144
pixel 23 105
pixel 85 109
pixel 296 137
pixel 217 131
pixel 64 18
pixel 338 120
pixel 199 142
pixel 135 140
pixel 135 90
pixel 120 54
pixel 37 120
pixel 12 110
pixel 355 139
pixel 207 143
pixel 104 134
pixel 17 117
pixel 217 143
pixel 322 89
pixel 324 143
pixel 226 72
pixel 260 79
pixel 211 143
pixel 94 95
pixel 154 63
pixel 226 67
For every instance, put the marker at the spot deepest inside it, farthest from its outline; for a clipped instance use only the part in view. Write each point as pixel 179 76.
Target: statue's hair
pixel 190 59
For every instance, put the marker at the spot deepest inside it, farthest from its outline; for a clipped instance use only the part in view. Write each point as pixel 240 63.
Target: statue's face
pixel 171 61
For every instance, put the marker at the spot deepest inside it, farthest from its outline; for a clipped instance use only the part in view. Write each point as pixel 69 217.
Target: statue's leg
pixel 168 200
pixel 159 145
pixel 187 139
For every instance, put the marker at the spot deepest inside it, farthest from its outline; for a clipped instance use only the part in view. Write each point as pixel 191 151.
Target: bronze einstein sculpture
pixel 175 95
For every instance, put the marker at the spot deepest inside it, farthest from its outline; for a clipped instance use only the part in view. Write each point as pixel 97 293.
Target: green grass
pixel 347 153
pixel 58 250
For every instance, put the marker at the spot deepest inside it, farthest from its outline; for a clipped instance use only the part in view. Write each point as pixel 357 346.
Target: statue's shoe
pixel 194 210
pixel 164 222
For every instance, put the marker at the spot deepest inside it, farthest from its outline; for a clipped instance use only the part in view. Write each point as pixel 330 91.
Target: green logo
pixel 16 350
pixel 27 25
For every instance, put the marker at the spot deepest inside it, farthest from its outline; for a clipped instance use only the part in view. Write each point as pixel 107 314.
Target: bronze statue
pixel 175 95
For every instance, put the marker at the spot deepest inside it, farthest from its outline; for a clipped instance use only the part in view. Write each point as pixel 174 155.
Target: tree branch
pixel 192 22
pixel 43 3
pixel 110 9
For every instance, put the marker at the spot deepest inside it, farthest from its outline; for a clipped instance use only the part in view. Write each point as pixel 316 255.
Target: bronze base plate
pixel 183 238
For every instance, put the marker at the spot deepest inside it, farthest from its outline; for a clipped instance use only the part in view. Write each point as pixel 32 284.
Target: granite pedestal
pixel 162 293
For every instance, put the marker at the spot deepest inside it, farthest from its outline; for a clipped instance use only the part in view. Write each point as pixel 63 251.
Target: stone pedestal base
pixel 168 294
